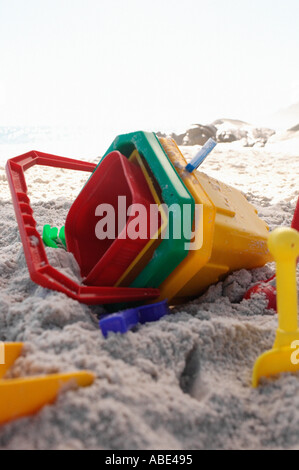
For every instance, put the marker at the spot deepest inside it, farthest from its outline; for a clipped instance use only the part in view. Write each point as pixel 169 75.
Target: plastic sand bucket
pixel 103 260
pixel 232 235
pixel 171 251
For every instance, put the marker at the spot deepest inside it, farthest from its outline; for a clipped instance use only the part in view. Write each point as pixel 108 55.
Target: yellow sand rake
pixel 283 244
pixel 25 396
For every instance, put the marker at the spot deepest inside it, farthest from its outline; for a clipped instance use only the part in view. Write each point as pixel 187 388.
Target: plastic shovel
pixel 24 396
pixel 283 244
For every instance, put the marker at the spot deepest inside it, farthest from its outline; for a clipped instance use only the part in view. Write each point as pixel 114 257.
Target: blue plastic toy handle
pixel 201 155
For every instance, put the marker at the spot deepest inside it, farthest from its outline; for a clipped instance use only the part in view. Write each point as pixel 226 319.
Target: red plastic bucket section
pixel 124 250
pixel 103 261
pixel 81 220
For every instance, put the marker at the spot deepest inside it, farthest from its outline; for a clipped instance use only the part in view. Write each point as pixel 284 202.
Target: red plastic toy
pixel 268 287
pixel 39 268
pixel 104 261
pixel 295 222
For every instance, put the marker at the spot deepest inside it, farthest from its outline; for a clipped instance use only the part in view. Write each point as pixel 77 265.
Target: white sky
pixel 136 64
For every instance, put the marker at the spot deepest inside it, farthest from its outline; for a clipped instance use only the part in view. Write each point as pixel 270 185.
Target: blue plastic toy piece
pixel 201 155
pixel 120 322
pixel 125 320
pixel 153 312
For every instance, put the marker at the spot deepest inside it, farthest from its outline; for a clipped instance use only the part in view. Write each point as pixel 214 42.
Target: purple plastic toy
pixel 125 320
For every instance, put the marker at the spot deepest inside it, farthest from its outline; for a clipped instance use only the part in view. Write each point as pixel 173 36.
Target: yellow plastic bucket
pixel 233 236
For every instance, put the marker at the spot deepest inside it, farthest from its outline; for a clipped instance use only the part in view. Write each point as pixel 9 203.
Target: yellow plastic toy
pixel 284 245
pixel 25 396
pixel 145 255
pixel 233 236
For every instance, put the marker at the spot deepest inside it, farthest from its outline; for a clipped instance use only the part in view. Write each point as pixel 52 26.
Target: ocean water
pixel 67 141
pixel 72 142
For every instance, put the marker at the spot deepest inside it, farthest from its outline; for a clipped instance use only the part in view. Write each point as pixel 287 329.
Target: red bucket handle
pixel 41 272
